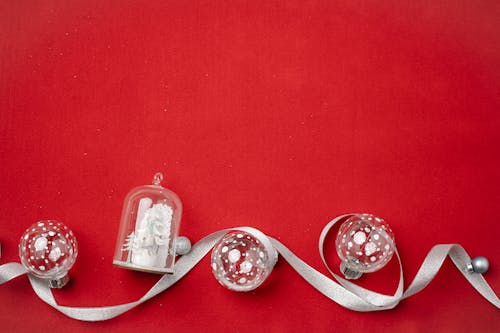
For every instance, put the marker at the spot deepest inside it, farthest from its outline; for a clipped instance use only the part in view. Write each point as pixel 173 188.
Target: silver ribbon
pixel 345 293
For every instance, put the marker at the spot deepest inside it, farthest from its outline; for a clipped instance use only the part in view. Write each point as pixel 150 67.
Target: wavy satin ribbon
pixel 345 293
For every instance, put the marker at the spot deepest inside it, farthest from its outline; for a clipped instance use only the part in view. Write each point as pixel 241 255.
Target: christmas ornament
pixel 479 265
pixel 243 259
pixel 48 249
pixel 365 243
pixel 182 246
pixel 148 230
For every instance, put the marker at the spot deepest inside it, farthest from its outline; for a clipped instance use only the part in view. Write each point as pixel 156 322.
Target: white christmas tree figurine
pixel 129 245
pixel 149 244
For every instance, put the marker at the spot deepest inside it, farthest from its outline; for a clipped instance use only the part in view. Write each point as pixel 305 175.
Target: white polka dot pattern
pixel 48 249
pixel 365 243
pixel 241 262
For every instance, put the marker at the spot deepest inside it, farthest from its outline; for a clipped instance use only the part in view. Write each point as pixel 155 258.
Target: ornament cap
pixel 59 283
pixel 349 273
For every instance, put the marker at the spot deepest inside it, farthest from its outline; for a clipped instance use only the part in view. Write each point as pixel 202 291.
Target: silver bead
pixel 182 245
pixel 478 265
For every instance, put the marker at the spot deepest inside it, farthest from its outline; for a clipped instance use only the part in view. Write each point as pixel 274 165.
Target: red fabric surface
pixel 276 115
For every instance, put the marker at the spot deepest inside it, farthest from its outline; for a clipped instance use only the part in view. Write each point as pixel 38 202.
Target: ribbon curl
pixel 345 293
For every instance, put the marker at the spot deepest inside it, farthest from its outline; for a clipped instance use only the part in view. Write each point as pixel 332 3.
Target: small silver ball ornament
pixel 479 265
pixel 182 245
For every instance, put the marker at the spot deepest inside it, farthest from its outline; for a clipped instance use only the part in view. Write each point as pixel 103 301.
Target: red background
pixel 277 115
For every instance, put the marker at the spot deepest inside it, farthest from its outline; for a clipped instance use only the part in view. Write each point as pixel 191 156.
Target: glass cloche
pixel 148 229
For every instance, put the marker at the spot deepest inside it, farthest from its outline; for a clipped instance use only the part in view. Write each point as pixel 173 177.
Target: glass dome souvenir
pixel 148 229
